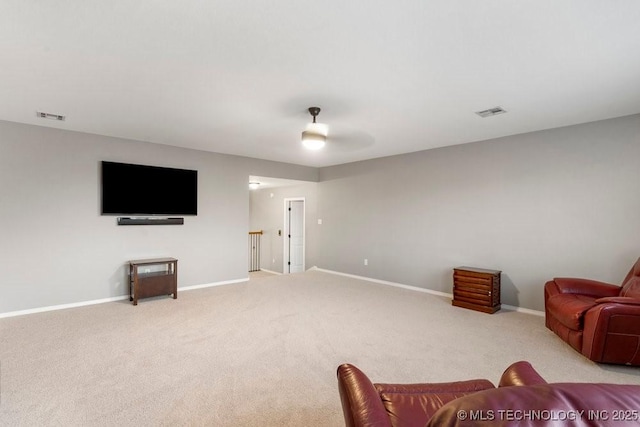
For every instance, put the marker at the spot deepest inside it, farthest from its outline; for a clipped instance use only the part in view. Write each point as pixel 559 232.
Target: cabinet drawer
pixel 155 285
pixel 472 287
pixel 483 298
pixel 473 280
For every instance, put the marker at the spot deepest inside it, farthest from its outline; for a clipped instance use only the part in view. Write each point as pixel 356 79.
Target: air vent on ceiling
pixel 50 116
pixel 491 112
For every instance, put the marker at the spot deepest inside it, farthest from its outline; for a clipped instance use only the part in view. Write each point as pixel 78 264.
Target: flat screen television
pixel 129 189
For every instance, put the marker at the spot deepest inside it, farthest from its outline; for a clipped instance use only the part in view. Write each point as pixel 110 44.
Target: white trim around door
pixel 294 244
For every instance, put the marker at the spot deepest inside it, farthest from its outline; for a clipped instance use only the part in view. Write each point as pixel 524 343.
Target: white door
pixel 294 244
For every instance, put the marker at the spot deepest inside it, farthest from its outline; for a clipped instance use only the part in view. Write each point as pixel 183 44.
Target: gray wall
pixel 55 246
pixel 267 214
pixel 562 202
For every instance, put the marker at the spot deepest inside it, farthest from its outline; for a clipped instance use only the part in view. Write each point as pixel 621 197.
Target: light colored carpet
pixel 259 353
pixel 260 274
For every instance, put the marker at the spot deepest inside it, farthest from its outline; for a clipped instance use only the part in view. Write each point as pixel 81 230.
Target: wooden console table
pixel 154 282
pixel 477 289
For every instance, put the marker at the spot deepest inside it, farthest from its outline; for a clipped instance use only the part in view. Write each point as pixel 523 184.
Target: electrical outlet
pixel 147 270
pixel 366 261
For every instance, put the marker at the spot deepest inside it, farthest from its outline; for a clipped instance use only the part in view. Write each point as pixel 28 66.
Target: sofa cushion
pixel 414 404
pixel 569 309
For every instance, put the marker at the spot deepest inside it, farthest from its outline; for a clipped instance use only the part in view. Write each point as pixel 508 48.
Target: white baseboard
pixel 208 285
pixel 523 310
pixel 428 291
pixel 229 282
pixel 269 271
pixel 385 282
pixel 62 306
pixel 105 300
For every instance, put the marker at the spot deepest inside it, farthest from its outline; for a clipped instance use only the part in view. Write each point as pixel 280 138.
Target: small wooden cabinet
pixel 476 289
pixel 153 277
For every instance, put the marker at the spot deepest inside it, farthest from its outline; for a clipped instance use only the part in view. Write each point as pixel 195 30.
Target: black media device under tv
pixel 129 189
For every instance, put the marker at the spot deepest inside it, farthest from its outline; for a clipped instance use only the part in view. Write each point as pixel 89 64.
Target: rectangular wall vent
pixel 491 112
pixel 50 116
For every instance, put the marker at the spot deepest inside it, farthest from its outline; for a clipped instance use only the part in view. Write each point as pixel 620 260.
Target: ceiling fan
pixel 314 137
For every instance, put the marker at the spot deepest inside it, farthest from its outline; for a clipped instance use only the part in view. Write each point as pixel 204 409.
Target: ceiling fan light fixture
pixel 313 141
pixel 315 136
pixel 318 128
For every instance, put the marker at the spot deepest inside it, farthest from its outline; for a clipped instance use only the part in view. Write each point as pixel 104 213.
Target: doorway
pixel 294 236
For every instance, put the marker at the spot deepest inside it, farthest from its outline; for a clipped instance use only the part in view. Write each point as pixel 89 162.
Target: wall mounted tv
pixel 129 189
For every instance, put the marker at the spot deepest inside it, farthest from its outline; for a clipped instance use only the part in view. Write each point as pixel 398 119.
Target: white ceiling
pixel 391 77
pixel 265 182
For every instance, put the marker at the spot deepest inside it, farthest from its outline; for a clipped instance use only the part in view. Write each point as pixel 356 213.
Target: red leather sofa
pixel 558 404
pixel 523 398
pixel 599 320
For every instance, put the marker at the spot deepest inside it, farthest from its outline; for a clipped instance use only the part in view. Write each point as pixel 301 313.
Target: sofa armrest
pixel 520 373
pixel 612 332
pixel 570 285
pixel 361 402
pixel 618 300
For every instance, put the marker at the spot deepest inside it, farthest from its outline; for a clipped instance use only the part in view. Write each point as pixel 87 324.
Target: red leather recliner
pixel 366 404
pixel 523 398
pixel 600 320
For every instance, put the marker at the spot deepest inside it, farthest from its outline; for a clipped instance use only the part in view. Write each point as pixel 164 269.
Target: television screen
pixel 129 189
